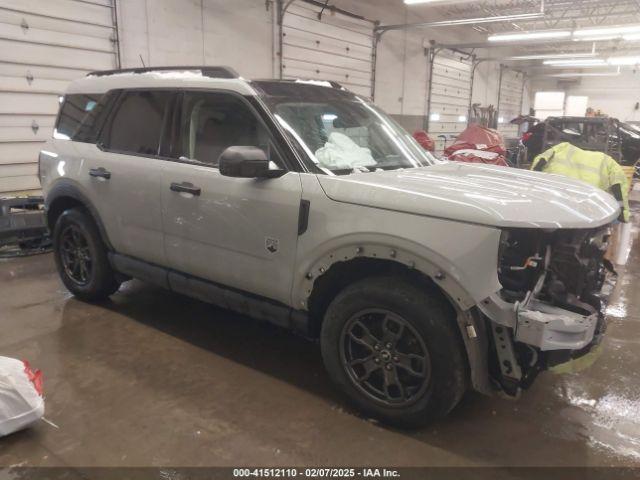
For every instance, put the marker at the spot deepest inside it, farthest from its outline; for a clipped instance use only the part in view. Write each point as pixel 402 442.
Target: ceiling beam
pixel 461 21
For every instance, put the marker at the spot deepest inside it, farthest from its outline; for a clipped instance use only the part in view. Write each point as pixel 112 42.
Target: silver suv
pixel 301 203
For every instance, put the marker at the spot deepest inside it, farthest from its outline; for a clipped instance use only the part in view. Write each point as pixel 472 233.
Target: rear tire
pixel 81 256
pixel 394 348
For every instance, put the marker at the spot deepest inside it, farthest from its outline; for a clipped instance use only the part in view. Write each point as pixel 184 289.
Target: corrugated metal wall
pixel 44 45
pixel 335 47
pixel 450 91
pixel 510 101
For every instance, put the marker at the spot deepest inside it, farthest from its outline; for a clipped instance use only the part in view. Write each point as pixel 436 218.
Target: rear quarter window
pixel 73 110
pixel 80 116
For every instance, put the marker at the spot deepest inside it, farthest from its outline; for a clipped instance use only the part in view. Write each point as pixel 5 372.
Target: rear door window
pixel 138 122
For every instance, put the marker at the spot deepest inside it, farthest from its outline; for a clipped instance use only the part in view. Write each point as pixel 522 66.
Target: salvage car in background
pixel 618 139
pixel 304 204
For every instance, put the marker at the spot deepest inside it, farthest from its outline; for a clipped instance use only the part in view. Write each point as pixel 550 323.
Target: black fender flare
pixel 68 189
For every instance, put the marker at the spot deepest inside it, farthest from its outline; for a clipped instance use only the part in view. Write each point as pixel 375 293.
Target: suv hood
pixel 482 194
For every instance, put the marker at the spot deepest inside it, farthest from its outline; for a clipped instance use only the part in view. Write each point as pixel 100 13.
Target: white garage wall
pixel 43 45
pixel 402 65
pixel 450 96
pixel 527 97
pixel 615 96
pixel 485 83
pixel 243 34
pixel 167 32
pixel 510 101
pixel 236 33
pixel 332 46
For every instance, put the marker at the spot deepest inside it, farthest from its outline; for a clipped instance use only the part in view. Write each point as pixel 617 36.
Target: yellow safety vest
pixel 595 168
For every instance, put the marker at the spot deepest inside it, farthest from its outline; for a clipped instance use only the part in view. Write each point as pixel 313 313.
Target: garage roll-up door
pixel 335 47
pixel 510 101
pixel 450 91
pixel 43 45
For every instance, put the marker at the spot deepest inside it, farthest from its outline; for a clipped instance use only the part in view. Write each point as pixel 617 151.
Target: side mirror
pixel 246 162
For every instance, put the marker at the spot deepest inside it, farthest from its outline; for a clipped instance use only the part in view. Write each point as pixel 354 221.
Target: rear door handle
pixel 100 172
pixel 186 187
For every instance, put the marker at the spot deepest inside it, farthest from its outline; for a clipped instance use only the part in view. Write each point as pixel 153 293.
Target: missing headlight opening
pixel 551 302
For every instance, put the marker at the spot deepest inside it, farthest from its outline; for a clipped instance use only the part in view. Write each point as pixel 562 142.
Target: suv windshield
pixel 338 131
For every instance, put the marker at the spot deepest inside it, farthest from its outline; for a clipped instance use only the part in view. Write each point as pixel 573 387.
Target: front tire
pixel 81 256
pixel 393 347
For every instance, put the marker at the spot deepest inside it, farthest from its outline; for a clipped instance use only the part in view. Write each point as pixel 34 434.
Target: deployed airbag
pixel 340 152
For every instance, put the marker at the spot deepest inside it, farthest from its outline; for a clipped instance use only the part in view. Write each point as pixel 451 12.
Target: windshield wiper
pixel 348 171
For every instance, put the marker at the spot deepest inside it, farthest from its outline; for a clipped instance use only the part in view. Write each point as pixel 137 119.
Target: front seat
pixel 210 142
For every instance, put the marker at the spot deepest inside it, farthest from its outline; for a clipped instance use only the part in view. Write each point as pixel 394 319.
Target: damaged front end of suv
pixel 550 309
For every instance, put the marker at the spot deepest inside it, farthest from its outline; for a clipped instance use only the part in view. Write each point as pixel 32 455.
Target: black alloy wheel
pixel 385 357
pixel 82 257
pixel 391 343
pixel 75 255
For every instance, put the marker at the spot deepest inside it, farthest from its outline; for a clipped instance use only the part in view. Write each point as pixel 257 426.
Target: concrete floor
pixel 155 379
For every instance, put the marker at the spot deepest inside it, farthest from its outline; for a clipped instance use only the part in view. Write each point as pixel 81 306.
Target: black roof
pixel 207 71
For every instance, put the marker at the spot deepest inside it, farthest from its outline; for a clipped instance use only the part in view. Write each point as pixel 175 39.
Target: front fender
pixel 464 288
pixel 466 278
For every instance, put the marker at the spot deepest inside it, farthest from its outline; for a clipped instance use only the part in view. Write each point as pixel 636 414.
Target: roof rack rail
pixel 332 83
pixel 206 71
pixel 336 85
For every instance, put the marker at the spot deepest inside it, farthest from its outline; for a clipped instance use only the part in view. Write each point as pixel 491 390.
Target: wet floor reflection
pixel 153 378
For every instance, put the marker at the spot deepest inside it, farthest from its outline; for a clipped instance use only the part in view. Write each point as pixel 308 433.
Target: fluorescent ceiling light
pixel 417 2
pixel 594 62
pixel 465 21
pixel 619 30
pixel 577 65
pixel 511 37
pixel 623 60
pixel 596 39
pixel 546 56
pixel 575 62
pixel 595 34
pixel 500 18
pixel 585 74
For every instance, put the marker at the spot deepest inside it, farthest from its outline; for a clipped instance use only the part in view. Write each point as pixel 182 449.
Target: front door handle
pixel 186 187
pixel 100 172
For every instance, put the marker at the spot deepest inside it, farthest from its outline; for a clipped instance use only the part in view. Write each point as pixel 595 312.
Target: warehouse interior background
pixel 46 44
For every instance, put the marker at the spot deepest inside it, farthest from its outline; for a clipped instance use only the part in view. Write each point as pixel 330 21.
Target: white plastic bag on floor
pixel 21 401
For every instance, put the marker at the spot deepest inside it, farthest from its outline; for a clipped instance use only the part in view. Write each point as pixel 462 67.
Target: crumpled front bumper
pixel 554 336
pixel 542 325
